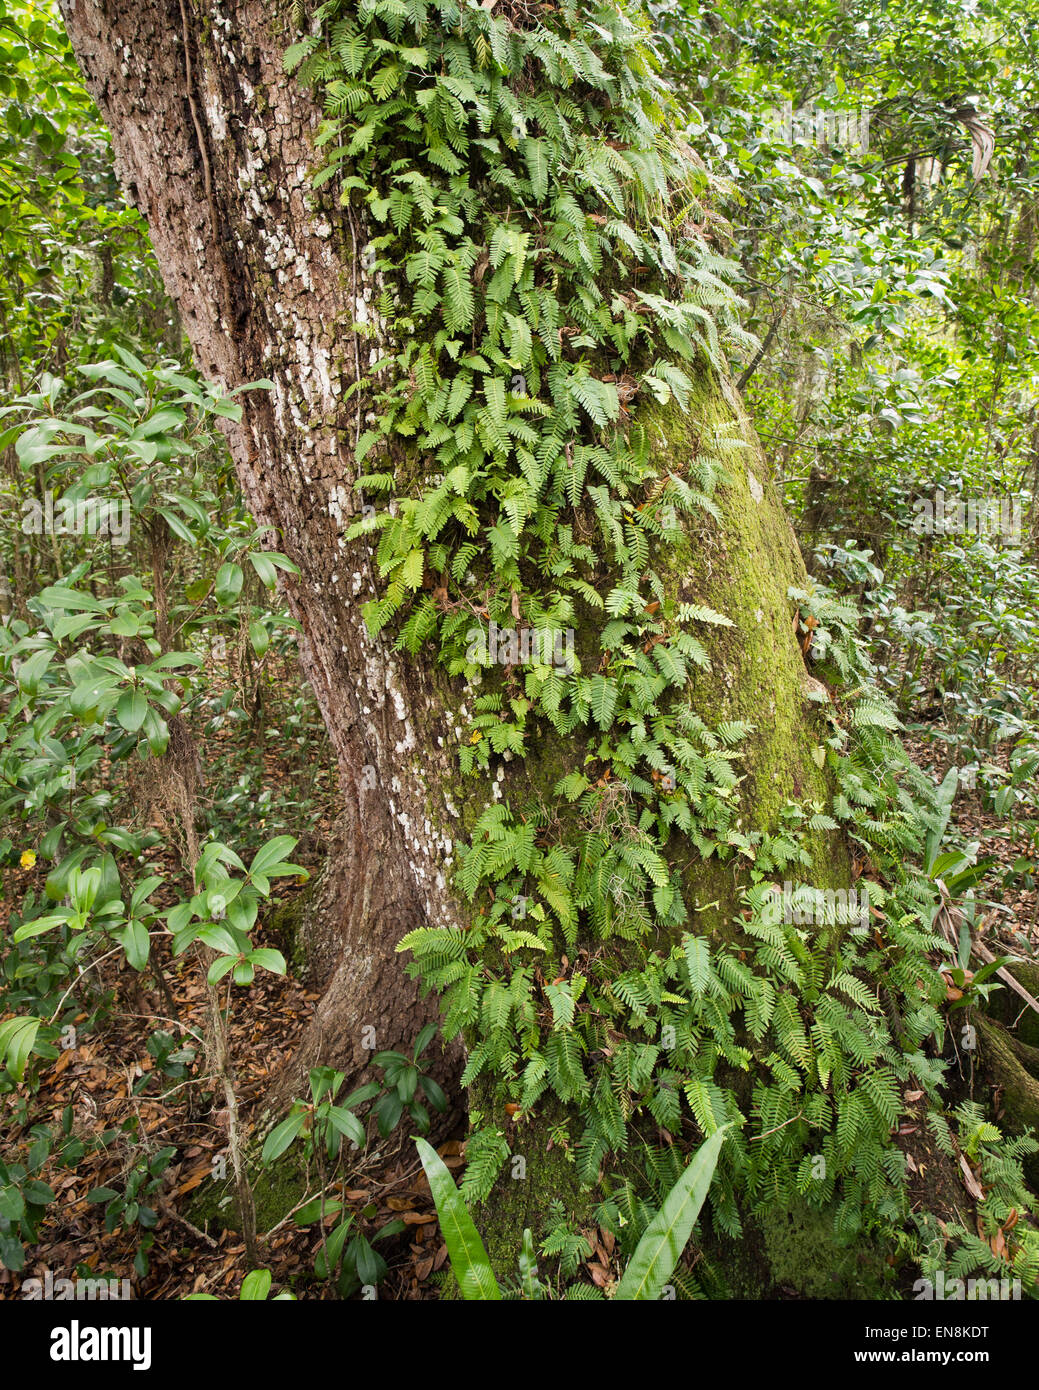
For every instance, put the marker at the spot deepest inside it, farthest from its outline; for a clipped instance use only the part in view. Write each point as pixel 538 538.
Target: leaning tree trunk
pixel 213 144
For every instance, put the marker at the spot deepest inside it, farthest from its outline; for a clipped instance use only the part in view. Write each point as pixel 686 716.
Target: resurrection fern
pixel 563 1242
pixel 486 1153
pixel 1005 1245
pixel 534 236
pixel 518 174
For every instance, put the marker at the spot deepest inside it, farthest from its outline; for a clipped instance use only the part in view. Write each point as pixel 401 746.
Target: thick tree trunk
pixel 212 142
pixel 212 145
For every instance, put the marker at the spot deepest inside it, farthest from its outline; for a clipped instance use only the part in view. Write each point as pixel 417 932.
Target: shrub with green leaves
pixel 256 1287
pixel 24 1199
pixel 345 1254
pixel 92 676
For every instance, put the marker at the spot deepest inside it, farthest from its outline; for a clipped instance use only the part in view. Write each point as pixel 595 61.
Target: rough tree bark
pixel 213 145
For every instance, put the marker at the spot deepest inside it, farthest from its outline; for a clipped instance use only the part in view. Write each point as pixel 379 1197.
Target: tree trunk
pixel 213 144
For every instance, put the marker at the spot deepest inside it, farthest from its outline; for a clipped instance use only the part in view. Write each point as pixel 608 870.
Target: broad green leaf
pixel 256 1286
pixel 39 925
pixel 281 1137
pixel 56 596
pixel 131 710
pixel 135 942
pixel 259 637
pixel 17 1036
pixel 268 959
pixel 660 1248
pixel 465 1249
pixel 228 583
pixel 320 1207
pixel 269 859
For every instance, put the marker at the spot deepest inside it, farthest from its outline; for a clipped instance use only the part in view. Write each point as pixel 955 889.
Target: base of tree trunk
pixel 1011 1069
pixel 792 1252
pixel 340 936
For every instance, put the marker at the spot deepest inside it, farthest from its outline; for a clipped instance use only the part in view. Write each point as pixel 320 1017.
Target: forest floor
pixel 111 1078
pixel 111 1081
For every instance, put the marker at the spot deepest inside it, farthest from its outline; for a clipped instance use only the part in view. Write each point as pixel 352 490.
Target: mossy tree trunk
pixel 1008 1048
pixel 743 564
pixel 214 145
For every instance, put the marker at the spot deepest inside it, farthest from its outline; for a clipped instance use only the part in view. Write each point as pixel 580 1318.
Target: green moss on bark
pixel 1010 1009
pixel 1012 1070
pixel 793 1252
pixel 287 924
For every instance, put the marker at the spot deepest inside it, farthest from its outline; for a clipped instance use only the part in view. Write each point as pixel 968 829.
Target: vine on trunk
pixel 544 241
